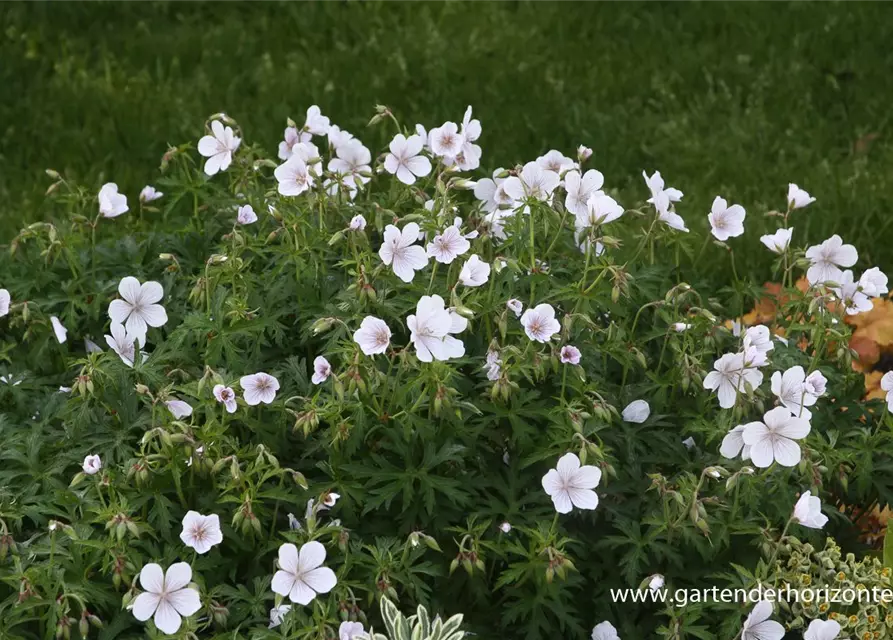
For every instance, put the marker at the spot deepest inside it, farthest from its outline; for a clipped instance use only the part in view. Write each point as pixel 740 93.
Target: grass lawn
pixel 734 99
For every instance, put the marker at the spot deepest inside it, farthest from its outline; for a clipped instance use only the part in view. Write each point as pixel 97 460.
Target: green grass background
pixel 735 99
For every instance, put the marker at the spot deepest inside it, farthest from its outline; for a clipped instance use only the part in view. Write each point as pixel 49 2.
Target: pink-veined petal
pixel 787 452
pixel 145 605
pixel 583 498
pixel 152 578
pixel 166 618
pixel 288 558
pixel 283 582
pixel 178 576
pixel 301 593
pixel 185 601
pixel 312 555
pixel 321 580
pixel 154 315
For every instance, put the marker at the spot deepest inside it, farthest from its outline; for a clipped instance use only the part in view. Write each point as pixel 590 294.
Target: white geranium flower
pixel 60 331
pixel 179 408
pixel 315 122
pixel 851 295
pixel 139 309
pixel 773 440
pixel 604 631
pixel 808 511
pixel 446 141
pixel 301 575
pixel 123 343
pixel 321 370
pixel 431 327
pixel 790 389
pixel 887 385
pixel 539 323
pixel 357 223
pixel 448 245
pixel 166 596
pixel 225 395
pixel 259 387
pixel 4 302
pixel 246 215
pixel 534 182
pixel 349 630
pixel 583 153
pixel 493 367
pixel 400 251
pixel 150 194
pixel 404 159
pixel 657 582
pixel 373 336
pixel 570 485
pixel 600 209
pixel 779 241
pixel 469 156
pixel 822 630
pixel 689 443
pixel 580 188
pixel 201 532
pixel 554 161
pixel 758 626
pixel 218 148
pixel 475 272
pixel 491 192
pixel 873 282
pixel 733 444
pixel 294 176
pixel 92 465
pixel 569 354
pixel 732 374
pixel 352 163
pixel 338 137
pixel 758 337
pixel 636 411
pixel 726 221
pixel 661 197
pixel 277 614
pixel 111 203
pixel 797 197
pixel 815 384
pixel 679 327
pixel 516 306
pixel 827 258
pixel 292 137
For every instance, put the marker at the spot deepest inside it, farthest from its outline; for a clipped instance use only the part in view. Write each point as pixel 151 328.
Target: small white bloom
pixel 201 532
pixel 662 198
pixel 583 153
pixel 294 176
pixel 571 485
pixel 493 367
pixel 790 389
pixel 569 354
pixel 689 443
pixel 404 159
pixel 604 631
pixel 4 302
pixel 277 614
pixel 887 385
pixel 873 282
pixel 301 575
pixel 758 337
pixel 534 182
pixel 150 194
pixel 179 408
pixel 732 374
pixel 258 387
pixel 475 272
pixel 773 440
pixel 516 306
pixel 679 327
pixel 636 411
pixel 373 336
pixel 218 148
pixel 758 626
pixel 600 209
pixel 505 527
pixel 726 221
pixel 448 245
pixel 733 444
pixel 445 140
pixel 349 630
pixel 292 137
pixel 111 203
pixel 246 215
pixel 338 137
pixel 225 395
pixel 580 188
pixel 815 384
pixel 491 192
pixel 851 295
pixel 315 122
pixel 431 329
pixel 539 323
pixel 351 162
pixel 797 197
pixel 92 465
pixel 827 258
pixel 122 343
pixel 60 331
pixel 321 370
pixel 808 511
pixel 822 630
pixel 400 251
pixel 779 241
pixel 139 309
pixel 166 596
pixel 656 583
pixel 357 223
pixel 554 161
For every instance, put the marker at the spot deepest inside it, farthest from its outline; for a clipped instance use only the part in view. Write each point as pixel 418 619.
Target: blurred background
pixel 732 99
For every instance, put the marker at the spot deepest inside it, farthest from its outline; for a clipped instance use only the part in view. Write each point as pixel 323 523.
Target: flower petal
pixel 185 601
pixel 167 619
pixel 152 578
pixel 288 558
pixel 312 555
pixel 321 580
pixel 145 605
pixel 283 582
pixel 178 576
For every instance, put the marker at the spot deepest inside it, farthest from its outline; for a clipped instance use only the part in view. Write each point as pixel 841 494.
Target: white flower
pixel 661 197
pixel 138 309
pixel 516 306
pixel 292 137
pixel 758 337
pixel 321 370
pixel 149 194
pixel 400 251
pixel 469 156
pixel 773 440
pixel 225 395
pixel 580 189
pixel 178 408
pixel 656 583
pixel 758 626
pixel 539 323
pixel 725 221
pixel 534 182
pixel 357 223
pixel 493 366
pixel 218 148
pixel 732 374
pixel 123 343
pixel 60 331
pixel 887 385
pixel 4 302
pixel 604 631
pixel 583 153
pixel 301 576
pixel 822 630
pixel 826 258
pixel 246 215
pixel 679 327
pixel 92 465
pixel 277 614
pixel 338 137
pixel 111 203
pixel 873 282
pixel 790 389
pixel 448 245
pixel 404 160
pixel 492 192
pixel 779 241
pixel 349 630
pixel 431 327
pixel 815 384
pixel 569 354
pixel 329 500
pixel 636 411
pixel 851 295
pixel 554 161
pixel 166 596
pixel 733 444
pixel 808 511
pixel 294 176
pixel 315 122
pixel 600 209
pixel 201 532
pixel 475 272
pixel 373 336
pixel 689 443
pixel 570 485
pixel 258 387
pixel 352 163
pixel 445 140
pixel 505 527
pixel 797 197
